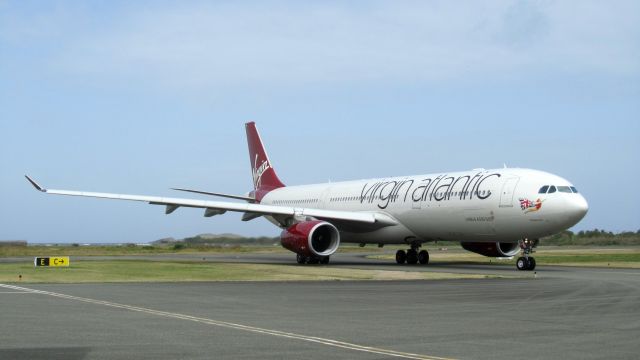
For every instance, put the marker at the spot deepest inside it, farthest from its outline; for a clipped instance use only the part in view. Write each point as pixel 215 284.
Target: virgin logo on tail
pixel 258 171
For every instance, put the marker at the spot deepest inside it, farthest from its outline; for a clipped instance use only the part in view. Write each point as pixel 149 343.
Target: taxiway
pixel 560 312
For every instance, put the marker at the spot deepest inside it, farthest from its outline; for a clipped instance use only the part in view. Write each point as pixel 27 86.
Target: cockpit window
pixel 552 189
pixel 564 189
pixel 543 190
pixel 573 188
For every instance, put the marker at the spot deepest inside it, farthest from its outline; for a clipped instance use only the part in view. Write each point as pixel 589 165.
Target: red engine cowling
pixel 497 249
pixel 311 238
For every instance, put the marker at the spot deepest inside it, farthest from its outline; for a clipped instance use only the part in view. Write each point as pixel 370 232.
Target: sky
pixel 137 97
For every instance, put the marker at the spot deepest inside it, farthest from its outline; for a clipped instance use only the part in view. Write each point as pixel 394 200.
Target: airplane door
pixel 508 189
pixel 324 198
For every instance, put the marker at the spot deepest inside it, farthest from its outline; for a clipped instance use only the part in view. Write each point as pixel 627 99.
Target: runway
pixel 573 313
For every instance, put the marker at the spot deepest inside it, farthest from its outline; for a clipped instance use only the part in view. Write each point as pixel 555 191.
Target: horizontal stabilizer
pixel 238 197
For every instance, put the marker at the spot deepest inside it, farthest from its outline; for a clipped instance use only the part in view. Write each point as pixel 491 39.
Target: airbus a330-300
pixel 496 213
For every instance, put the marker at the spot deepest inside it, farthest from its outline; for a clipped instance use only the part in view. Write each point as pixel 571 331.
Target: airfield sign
pixel 51 261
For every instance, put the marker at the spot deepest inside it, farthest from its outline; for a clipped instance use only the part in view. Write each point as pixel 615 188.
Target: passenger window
pixel 543 190
pixel 552 189
pixel 573 188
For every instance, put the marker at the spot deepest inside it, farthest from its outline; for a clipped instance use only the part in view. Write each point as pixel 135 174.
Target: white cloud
pixel 285 42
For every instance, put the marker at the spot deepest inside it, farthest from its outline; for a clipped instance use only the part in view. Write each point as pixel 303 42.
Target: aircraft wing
pixel 220 207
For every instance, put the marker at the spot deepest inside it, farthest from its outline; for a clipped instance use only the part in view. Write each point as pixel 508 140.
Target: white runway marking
pixel 282 334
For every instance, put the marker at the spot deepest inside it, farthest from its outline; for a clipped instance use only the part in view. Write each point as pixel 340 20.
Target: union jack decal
pixel 529 206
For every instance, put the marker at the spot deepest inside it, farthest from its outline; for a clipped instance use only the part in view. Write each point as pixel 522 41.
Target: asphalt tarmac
pixel 556 312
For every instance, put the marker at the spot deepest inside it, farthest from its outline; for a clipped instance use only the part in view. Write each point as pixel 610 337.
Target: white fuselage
pixel 499 205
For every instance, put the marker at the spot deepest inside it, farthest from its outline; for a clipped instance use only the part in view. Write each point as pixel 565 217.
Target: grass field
pixel 148 271
pixel 159 271
pixel 68 250
pixel 565 256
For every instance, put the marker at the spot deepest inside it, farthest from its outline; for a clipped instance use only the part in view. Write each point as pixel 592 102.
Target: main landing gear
pixel 301 259
pixel 527 262
pixel 413 255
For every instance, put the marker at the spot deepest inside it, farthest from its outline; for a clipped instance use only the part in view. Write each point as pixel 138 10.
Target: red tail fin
pixel 264 176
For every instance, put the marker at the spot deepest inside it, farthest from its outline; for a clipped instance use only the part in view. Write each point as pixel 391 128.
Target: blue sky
pixel 137 97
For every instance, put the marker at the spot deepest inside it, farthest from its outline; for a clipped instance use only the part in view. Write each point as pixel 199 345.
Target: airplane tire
pixel 313 260
pixel 423 257
pixel 532 264
pixel 522 263
pixel 324 260
pixel 401 256
pixel 301 259
pixel 412 257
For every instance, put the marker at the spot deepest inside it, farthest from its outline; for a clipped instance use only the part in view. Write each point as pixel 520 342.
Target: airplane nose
pixel 577 208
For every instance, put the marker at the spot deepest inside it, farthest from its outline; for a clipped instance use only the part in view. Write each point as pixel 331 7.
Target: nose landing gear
pixel 527 262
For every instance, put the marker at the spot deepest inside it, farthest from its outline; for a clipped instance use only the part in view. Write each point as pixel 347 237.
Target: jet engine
pixel 311 238
pixel 498 249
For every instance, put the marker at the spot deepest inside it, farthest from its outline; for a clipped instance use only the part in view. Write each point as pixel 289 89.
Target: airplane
pixel 495 213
